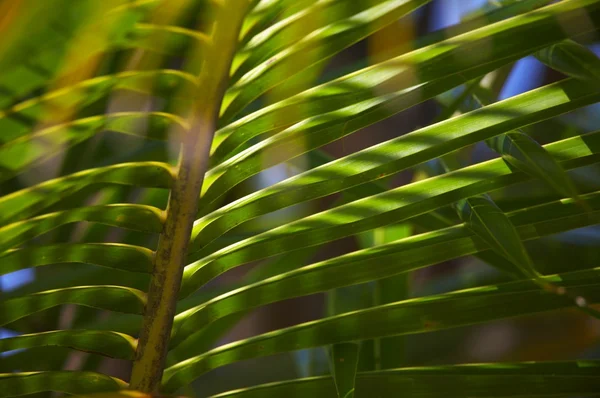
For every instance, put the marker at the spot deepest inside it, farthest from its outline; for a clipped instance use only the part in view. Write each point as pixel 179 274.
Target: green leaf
pixel 379 262
pixel 318 45
pixel 265 14
pixel 205 338
pixel 31 200
pixel 15 384
pixel 418 315
pixel 487 14
pixel 344 360
pixel 22 118
pixel 112 255
pixel 288 30
pixel 488 221
pixel 495 45
pixel 135 217
pixel 165 39
pixel 572 59
pixel 51 57
pixel 560 379
pixel 28 150
pixel 112 344
pixel 389 207
pixel 375 162
pixel 61 276
pixel 524 153
pixel 69 36
pixel 491 257
pixel 112 298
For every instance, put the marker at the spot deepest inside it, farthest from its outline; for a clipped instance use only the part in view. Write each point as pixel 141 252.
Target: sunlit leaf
pixel 137 217
pixel 29 201
pixel 381 261
pixel 324 42
pixel 405 317
pixel 389 207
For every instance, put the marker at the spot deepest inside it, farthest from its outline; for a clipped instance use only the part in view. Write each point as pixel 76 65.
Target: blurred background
pixel 560 335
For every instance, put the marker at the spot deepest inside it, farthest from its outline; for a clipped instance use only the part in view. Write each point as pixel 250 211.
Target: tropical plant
pixel 215 92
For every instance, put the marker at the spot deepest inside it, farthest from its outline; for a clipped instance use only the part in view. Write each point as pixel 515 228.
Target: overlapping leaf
pixel 268 54
pixel 29 201
pixel 393 156
pixel 406 317
pixel 497 44
pixel 324 42
pixel 136 217
pixel 482 380
pixel 28 150
pixel 71 35
pixel 382 261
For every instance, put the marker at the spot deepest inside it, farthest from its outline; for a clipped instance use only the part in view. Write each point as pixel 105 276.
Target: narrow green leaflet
pixel 164 39
pixel 315 132
pixel 22 118
pixel 70 382
pixel 488 221
pixel 66 276
pixel 469 22
pixel 344 361
pixel 265 14
pixel 428 222
pixel 207 337
pixel 31 149
pixel 572 59
pixel 488 14
pixel 465 207
pixel 112 298
pixel 73 34
pixel 389 207
pixel 27 202
pixel 496 45
pixel 284 33
pixel 26 360
pixel 382 261
pixel 524 153
pixel 319 44
pixel 550 379
pixel 471 306
pixel 57 102
pixel 135 217
pixel 380 160
pixel 112 255
pixel 111 344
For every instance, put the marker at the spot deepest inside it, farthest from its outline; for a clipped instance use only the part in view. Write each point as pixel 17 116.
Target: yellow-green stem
pixel 183 202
